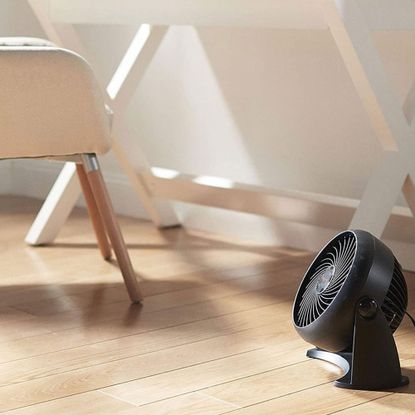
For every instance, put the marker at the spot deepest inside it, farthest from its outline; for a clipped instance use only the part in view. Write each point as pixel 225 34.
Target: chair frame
pixel 42 123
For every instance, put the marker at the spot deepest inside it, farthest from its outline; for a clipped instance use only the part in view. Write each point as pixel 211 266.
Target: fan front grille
pixel 324 279
pixel 396 300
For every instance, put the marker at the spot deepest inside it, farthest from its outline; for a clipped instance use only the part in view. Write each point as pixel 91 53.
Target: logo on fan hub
pixel 324 279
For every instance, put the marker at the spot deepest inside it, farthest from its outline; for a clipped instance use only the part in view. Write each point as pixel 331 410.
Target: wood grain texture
pixel 107 214
pixel 97 223
pixel 213 337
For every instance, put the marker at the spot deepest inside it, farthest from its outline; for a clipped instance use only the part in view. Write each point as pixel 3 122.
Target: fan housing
pixel 354 286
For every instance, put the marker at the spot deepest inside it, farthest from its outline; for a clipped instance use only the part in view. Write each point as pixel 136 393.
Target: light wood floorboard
pixel 214 335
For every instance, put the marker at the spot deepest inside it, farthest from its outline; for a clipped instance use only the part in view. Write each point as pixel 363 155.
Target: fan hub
pixel 324 279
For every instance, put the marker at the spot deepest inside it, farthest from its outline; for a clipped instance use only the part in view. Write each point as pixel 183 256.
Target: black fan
pixel 351 300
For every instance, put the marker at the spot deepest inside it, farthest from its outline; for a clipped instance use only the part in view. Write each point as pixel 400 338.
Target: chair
pixel 51 107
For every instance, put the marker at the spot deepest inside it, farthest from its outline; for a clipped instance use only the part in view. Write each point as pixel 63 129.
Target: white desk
pixel 289 14
pixel 270 13
pixel 350 23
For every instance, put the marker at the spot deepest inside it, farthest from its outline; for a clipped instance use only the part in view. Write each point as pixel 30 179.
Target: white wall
pixel 274 108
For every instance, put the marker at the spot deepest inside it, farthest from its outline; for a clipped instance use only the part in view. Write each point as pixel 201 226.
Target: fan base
pixel 345 385
pixel 343 360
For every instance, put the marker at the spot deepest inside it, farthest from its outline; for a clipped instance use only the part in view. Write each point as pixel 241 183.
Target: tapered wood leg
pixel 94 214
pixel 106 211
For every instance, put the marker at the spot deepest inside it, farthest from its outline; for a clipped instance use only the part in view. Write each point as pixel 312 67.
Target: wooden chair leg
pixel 106 211
pixel 94 214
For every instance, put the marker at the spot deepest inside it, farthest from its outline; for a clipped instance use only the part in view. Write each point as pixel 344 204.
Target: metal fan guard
pixel 324 279
pixel 320 286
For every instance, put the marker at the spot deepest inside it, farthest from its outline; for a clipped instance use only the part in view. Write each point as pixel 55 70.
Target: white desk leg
pixel 160 211
pixel 380 195
pixel 390 122
pixel 56 208
pixel 53 215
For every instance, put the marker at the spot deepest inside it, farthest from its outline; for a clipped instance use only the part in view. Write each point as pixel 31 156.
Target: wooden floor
pixel 214 335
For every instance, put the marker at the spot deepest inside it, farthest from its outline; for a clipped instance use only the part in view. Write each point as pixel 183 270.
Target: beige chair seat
pixel 50 103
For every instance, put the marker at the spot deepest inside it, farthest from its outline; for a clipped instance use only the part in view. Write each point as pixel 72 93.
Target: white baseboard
pixel 399 234
pixel 35 178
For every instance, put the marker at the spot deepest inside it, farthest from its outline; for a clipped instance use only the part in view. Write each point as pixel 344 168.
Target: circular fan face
pixel 324 279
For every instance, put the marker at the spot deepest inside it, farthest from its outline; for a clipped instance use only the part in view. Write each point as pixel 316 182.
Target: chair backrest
pixel 50 103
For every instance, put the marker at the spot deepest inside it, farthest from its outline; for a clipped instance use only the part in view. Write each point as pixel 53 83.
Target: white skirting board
pixel 35 178
pixel 270 232
pixel 319 220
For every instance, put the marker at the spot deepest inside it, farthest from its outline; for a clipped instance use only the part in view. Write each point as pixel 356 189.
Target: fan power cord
pixel 411 318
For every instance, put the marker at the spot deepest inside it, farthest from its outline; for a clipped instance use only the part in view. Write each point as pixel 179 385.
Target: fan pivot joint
pixel 368 308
